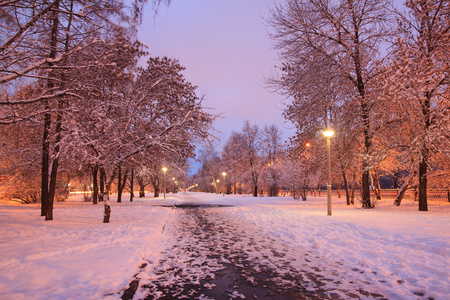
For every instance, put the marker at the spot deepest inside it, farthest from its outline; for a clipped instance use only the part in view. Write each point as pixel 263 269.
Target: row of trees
pixel 377 75
pixel 75 100
pixel 245 158
pixel 257 161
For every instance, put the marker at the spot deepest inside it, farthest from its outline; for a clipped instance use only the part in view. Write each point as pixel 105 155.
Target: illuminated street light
pixel 224 174
pixel 164 169
pixel 328 133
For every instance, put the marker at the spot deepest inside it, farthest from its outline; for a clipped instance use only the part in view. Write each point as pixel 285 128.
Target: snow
pixel 398 251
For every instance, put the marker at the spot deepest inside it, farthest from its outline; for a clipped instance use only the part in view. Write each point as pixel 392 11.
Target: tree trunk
pixel 376 181
pixel 347 191
pixel 95 185
pixel 396 179
pixel 304 194
pixel 45 161
pixel 132 185
pixel 102 180
pixel 255 191
pixel 338 189
pixel 365 190
pixel 353 188
pixel 55 164
pixel 155 183
pixel 273 191
pixel 423 168
pixel 401 192
pixel 121 184
pixel 46 198
pixel 141 187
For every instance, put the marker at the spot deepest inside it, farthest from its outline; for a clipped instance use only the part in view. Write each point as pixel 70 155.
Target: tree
pixel 251 153
pixel 272 149
pixel 43 43
pixel 155 113
pixel 210 170
pixel 416 86
pixel 343 37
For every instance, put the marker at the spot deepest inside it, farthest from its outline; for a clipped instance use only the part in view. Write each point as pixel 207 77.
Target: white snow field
pixel 397 251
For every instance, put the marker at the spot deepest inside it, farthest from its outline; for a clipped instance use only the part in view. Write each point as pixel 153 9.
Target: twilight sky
pixel 227 53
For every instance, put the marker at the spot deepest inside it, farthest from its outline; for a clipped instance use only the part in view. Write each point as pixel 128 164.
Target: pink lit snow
pixel 398 251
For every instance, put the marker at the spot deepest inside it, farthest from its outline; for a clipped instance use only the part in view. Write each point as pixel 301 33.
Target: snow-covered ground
pixel 399 251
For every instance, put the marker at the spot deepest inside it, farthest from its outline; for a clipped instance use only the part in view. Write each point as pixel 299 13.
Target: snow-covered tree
pixel 272 149
pixel 343 39
pixel 252 155
pixel 416 88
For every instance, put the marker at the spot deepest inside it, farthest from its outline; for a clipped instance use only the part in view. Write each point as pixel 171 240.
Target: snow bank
pixel 399 250
pixel 76 255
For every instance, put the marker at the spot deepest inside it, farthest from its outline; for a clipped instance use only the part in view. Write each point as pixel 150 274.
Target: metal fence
pixel 437 195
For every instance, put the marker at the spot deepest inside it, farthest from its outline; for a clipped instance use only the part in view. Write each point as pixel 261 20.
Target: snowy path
pixel 215 254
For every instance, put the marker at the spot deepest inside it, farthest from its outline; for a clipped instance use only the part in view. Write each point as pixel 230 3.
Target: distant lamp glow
pixel 308 145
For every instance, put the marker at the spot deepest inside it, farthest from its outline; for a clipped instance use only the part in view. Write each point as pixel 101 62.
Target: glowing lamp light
pixel 164 169
pixel 308 145
pixel 328 133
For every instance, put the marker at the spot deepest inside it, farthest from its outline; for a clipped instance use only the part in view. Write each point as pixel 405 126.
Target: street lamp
pixel 164 169
pixel 328 133
pixel 224 174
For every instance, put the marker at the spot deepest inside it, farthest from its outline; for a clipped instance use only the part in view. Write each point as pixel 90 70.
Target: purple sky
pixel 227 53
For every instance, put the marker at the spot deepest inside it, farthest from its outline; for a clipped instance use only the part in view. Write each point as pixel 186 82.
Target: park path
pixel 216 255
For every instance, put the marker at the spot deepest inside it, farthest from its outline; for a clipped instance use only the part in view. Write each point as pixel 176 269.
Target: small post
pixel 107 213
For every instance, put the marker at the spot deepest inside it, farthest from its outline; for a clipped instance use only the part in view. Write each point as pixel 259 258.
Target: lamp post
pixel 328 133
pixel 217 184
pixel 164 169
pixel 224 174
